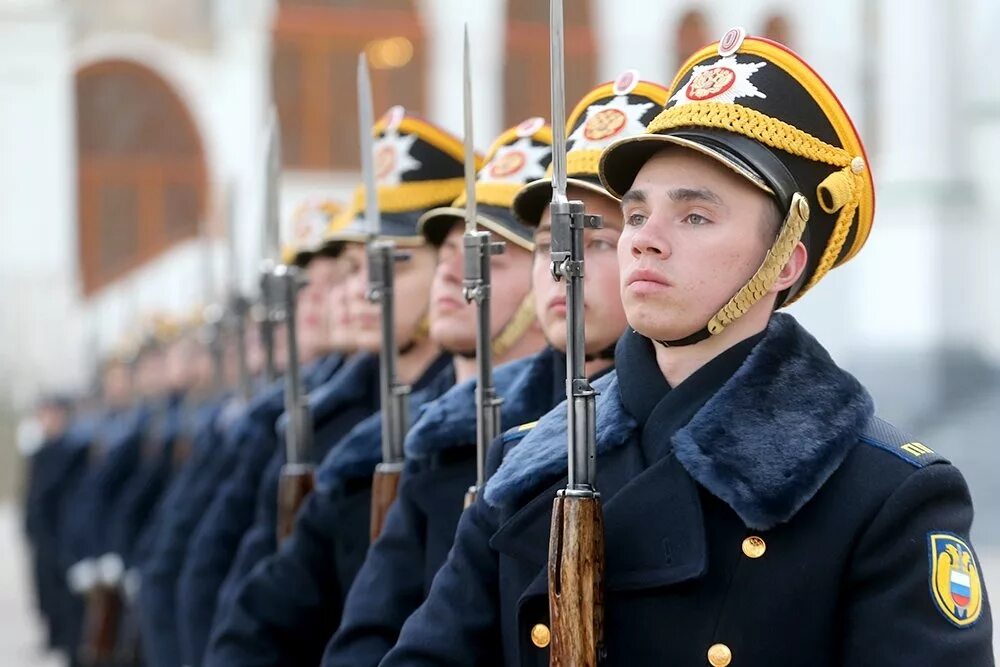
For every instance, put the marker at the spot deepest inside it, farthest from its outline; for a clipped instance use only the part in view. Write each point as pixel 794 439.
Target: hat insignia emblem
pixel 725 80
pixel 604 125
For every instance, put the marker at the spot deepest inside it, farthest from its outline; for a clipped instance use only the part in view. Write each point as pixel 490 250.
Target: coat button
pixel 754 547
pixel 540 635
pixel 719 655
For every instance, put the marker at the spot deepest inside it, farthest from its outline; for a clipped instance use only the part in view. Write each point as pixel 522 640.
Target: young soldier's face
pixel 313 305
pixel 341 332
pixel 413 277
pixel 605 319
pixel 453 320
pixel 693 235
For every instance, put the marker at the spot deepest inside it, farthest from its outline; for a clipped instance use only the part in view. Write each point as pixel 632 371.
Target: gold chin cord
pixel 774 261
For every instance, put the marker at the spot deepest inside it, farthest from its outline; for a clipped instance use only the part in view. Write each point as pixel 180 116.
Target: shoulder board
pixel 880 433
pixel 518 432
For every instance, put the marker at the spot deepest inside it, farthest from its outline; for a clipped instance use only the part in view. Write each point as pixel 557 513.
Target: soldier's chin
pixel 456 340
pixel 659 326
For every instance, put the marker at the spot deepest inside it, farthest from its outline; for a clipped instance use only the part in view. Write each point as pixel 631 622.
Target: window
pixel 314 73
pixel 692 35
pixel 526 68
pixel 142 175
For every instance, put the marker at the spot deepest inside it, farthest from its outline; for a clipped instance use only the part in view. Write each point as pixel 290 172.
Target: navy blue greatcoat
pixel 420 527
pixel 350 396
pixel 214 459
pixel 288 607
pixel 217 538
pixel 782 523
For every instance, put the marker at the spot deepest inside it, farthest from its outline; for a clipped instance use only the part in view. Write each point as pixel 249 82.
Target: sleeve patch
pixel 955 585
pixel 880 433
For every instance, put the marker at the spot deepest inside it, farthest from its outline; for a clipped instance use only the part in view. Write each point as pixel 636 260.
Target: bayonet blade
pixel 470 151
pixel 272 221
pixel 558 101
pixel 366 121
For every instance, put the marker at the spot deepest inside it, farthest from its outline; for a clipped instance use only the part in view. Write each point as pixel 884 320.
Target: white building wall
pixel 39 315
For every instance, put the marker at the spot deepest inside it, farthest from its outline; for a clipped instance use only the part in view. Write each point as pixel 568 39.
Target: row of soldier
pixel 177 525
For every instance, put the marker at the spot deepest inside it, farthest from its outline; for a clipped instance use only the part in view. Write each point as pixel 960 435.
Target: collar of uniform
pixel 320 371
pixel 354 381
pixel 451 420
pixel 357 454
pixel 764 444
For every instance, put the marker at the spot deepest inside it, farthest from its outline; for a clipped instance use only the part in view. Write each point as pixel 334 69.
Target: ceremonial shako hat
pixel 418 166
pixel 621 108
pixel 310 223
pixel 518 156
pixel 760 110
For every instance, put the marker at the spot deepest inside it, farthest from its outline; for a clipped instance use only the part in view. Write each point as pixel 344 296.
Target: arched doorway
pixel 142 175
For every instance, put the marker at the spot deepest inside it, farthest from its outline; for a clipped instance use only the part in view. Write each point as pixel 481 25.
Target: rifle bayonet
pixel 381 257
pixel 477 286
pixel 576 544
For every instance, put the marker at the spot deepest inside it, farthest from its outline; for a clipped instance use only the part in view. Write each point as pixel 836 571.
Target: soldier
pixel 400 566
pixel 112 463
pixel 47 467
pixel 215 542
pixel 335 407
pixel 756 511
pixel 289 606
pixel 184 505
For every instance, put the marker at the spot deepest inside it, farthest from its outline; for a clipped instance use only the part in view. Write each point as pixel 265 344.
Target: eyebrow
pixel 637 196
pixel 695 194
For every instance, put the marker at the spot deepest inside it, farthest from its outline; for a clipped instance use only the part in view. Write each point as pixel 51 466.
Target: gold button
pixel 754 547
pixel 719 655
pixel 540 635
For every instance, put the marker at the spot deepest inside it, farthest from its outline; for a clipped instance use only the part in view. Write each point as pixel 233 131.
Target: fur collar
pixel 525 386
pixel 354 382
pixel 764 444
pixel 357 454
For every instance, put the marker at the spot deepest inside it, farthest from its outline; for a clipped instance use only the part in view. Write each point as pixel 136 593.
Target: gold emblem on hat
pixel 604 124
pixel 508 164
pixel 711 83
pixel 385 161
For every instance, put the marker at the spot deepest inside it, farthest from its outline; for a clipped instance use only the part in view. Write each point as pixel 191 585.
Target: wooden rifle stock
pixel 101 620
pixel 576 581
pixel 385 484
pixel 296 483
pixel 470 497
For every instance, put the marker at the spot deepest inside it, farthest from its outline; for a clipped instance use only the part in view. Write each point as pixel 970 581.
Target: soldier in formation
pixel 537 407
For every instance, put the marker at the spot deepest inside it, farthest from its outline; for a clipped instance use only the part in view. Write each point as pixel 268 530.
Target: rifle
pixel 101 620
pixel 381 256
pixel 281 284
pixel 238 306
pixel 271 312
pixel 576 542
pixel 476 286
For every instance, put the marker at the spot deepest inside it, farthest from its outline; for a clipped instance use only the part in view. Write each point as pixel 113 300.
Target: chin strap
pixel 607 354
pixel 762 280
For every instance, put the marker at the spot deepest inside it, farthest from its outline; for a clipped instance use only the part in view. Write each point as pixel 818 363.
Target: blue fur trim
pixel 541 455
pixel 525 386
pixel 357 454
pixel 764 444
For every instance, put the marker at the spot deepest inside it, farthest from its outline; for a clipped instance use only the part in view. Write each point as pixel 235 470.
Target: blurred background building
pixel 128 129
